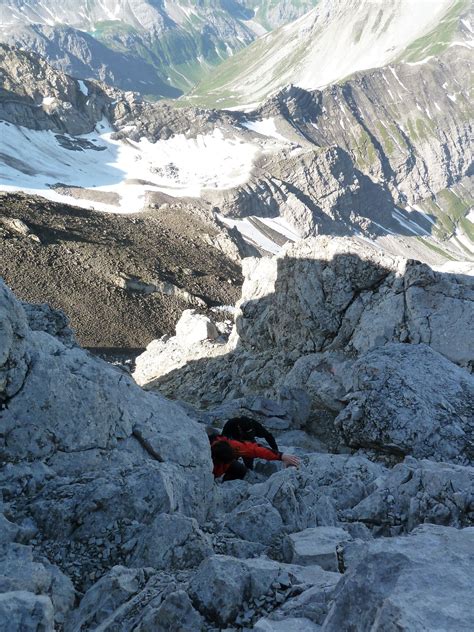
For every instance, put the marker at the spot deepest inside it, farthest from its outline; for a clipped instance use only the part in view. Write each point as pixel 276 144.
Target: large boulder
pixel 317 545
pixel 222 584
pixel 121 600
pixel 43 317
pixel 25 611
pixel 193 327
pixel 410 400
pixel 316 494
pixel 412 583
pixel 172 541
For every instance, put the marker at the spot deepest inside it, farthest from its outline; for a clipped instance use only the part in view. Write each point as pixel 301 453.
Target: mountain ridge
pixel 178 41
pixel 330 43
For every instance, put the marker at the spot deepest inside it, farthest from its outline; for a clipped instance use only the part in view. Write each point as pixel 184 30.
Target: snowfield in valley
pixel 179 166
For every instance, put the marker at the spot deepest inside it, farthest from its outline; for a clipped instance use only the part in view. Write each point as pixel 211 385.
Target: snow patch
pixel 392 70
pixel 178 166
pixel 467 24
pixel 265 127
pixel 83 88
pixel 409 224
pixel 249 230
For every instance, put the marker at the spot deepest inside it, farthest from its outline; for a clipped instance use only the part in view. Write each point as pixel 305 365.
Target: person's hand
pixel 290 460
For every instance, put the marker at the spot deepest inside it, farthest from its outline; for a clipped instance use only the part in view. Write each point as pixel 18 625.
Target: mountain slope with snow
pixel 367 157
pixel 333 41
pixel 178 40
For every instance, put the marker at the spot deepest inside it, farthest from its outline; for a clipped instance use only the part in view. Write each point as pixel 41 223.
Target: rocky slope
pixel 352 344
pixel 110 519
pixel 375 155
pixel 123 280
pixel 156 48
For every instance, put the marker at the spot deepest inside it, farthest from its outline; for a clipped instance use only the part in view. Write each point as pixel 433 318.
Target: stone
pixel 415 492
pixel 8 530
pixel 171 541
pixel 193 327
pixel 221 584
pixel 320 491
pixel 19 572
pixel 422 581
pixel 321 375
pixel 175 613
pixel 105 597
pixel 290 624
pixel 25 611
pixel 316 545
pixel 410 400
pixel 242 549
pixel 43 317
pixel 313 603
pixel 85 410
pixel 307 314
pixel 257 521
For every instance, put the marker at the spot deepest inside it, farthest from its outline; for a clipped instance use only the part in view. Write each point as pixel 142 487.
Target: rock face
pixel 415 492
pixel 393 407
pixel 404 592
pixel 308 313
pixel 83 425
pixel 107 489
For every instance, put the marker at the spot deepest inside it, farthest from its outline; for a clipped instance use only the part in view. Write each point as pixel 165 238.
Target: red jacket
pixel 247 449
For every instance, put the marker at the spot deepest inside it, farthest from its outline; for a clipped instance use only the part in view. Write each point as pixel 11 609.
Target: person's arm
pixel 251 450
pixel 261 431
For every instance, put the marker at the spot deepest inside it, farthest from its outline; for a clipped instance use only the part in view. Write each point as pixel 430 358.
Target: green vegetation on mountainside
pixel 437 40
pixel 450 207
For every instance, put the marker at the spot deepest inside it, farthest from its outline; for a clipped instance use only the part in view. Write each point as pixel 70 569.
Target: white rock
pixel 193 327
pixel 316 545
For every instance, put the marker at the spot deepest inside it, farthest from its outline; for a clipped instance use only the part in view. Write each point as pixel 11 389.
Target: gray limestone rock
pixel 222 584
pixel 43 317
pixel 176 612
pixel 105 597
pixel 412 583
pixel 19 572
pixel 312 603
pixel 8 530
pixel 415 492
pixel 289 624
pixel 307 314
pixel 319 492
pixel 408 399
pixel 80 411
pixel 171 541
pixel 193 327
pixel 317 545
pixel 22 611
pixel 257 521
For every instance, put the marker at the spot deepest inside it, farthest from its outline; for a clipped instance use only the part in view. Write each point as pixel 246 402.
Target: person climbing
pixel 247 429
pixel 226 453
